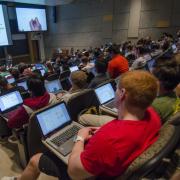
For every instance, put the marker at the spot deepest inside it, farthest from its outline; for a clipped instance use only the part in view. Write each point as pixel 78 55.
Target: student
pixel 101 76
pixel 168 74
pixel 136 128
pixel 39 99
pixel 5 86
pixel 118 64
pixel 79 82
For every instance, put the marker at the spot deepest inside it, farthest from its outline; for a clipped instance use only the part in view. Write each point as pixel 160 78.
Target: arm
pixel 75 166
pixel 18 118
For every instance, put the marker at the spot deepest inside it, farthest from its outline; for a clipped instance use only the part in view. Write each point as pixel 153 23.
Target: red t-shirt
pixel 112 149
pixel 117 66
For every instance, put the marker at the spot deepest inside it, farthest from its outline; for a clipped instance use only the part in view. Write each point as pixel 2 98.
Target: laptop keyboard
pixel 62 138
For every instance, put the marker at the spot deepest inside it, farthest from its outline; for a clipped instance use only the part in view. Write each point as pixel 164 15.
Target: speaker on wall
pixel 54 14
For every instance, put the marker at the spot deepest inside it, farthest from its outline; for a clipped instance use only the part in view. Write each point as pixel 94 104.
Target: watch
pixel 78 138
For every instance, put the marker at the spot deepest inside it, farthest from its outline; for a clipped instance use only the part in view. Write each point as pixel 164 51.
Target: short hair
pixel 141 88
pixel 15 73
pixel 79 78
pixel 35 84
pixel 21 67
pixel 100 66
pixel 167 72
pixel 115 49
pixel 3 81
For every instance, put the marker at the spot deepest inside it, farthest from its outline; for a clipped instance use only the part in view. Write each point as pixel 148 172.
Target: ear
pixel 122 93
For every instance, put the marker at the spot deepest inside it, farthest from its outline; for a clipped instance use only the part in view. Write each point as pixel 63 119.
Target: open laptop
pixel 23 84
pixel 174 48
pixel 10 79
pixel 10 101
pixel 106 95
pixel 42 72
pixel 57 128
pixel 74 68
pixel 53 86
pixel 150 64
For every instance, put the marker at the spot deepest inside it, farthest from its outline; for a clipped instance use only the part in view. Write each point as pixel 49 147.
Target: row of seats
pixel 145 165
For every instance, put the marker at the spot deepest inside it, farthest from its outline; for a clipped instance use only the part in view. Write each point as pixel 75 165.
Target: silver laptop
pixel 53 86
pixel 74 68
pixel 9 102
pixel 57 128
pixel 106 95
pixel 23 84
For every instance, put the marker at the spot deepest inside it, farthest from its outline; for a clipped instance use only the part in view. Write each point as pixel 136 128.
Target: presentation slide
pixel 30 19
pixel 4 27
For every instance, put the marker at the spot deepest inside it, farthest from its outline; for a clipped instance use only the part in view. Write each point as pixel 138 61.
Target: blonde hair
pixel 141 88
pixel 79 79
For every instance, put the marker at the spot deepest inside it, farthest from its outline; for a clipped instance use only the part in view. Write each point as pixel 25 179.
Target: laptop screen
pixel 10 100
pixel 53 118
pixel 74 68
pixel 23 84
pixel 53 86
pixel 10 79
pixel 42 72
pixel 150 64
pixel 174 47
pixel 105 93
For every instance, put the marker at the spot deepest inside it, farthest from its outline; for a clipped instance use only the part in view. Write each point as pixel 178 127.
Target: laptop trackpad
pixel 66 148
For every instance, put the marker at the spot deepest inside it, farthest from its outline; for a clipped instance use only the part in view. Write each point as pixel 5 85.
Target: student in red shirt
pixel 107 152
pixel 118 64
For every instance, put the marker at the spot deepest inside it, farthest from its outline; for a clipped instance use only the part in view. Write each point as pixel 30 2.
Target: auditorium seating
pixel 149 163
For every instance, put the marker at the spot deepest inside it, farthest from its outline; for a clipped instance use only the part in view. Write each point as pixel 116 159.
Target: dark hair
pixel 22 67
pixel 100 66
pixel 114 49
pixel 15 73
pixel 36 85
pixel 3 81
pixel 168 73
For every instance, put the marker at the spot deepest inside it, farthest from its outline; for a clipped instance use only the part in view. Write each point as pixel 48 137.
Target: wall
pixel 87 23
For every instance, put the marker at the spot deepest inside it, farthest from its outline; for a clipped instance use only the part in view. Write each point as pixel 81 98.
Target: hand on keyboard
pixel 87 132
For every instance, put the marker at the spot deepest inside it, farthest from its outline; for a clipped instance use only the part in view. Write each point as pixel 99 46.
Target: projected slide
pixel 32 19
pixel 3 29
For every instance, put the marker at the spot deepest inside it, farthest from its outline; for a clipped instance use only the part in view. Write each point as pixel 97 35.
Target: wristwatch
pixel 78 138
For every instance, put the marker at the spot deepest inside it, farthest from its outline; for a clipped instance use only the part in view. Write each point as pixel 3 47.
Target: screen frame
pixel 50 81
pixel 31 7
pixel 14 107
pixel 58 128
pixel 7 24
pixel 100 87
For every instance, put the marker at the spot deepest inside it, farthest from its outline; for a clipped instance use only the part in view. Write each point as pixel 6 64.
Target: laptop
pixel 174 48
pixel 57 128
pixel 23 84
pixel 10 79
pixel 150 64
pixel 42 72
pixel 10 101
pixel 74 68
pixel 53 86
pixel 106 95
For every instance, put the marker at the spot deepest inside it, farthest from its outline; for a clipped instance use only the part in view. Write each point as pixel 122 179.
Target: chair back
pixel 81 101
pixel 151 158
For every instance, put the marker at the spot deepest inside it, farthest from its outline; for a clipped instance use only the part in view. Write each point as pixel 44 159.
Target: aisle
pixel 9 165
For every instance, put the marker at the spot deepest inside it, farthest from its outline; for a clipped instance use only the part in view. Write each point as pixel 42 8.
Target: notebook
pixel 106 95
pixel 10 101
pixel 57 128
pixel 53 86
